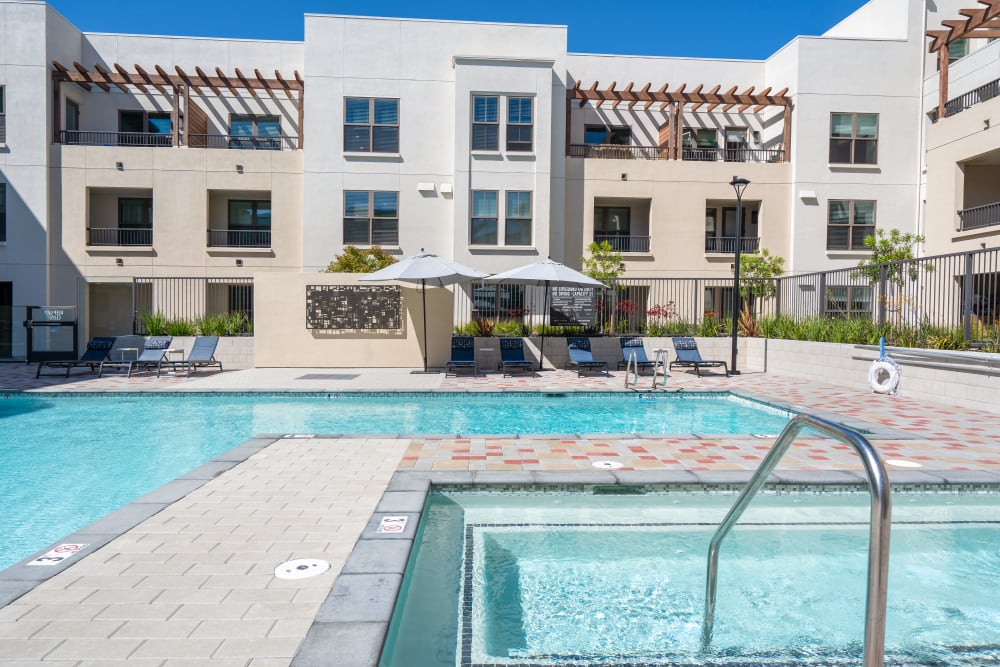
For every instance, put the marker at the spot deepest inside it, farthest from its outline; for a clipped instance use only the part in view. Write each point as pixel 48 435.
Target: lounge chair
pixel 512 357
pixel 96 352
pixel 630 345
pixel 689 357
pixel 152 355
pixel 581 356
pixel 202 355
pixel 463 355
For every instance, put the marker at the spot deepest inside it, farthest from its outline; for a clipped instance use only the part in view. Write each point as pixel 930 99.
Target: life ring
pixel 883 376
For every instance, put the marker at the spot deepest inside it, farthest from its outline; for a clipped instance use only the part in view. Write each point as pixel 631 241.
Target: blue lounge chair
pixel 633 345
pixel 97 351
pixel 689 357
pixel 463 355
pixel 512 357
pixel 202 355
pixel 581 356
pixel 152 355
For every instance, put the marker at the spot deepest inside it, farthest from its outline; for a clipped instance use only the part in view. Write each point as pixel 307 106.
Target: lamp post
pixel 739 185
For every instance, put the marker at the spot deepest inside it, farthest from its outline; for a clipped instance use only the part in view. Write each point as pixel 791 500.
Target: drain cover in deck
pixel 301 568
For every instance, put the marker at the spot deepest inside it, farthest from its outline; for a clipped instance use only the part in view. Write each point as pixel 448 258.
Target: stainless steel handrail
pixel 878 540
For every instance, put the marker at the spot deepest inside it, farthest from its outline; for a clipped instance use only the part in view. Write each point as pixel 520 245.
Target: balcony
pixel 3 128
pixel 620 243
pixel 89 138
pixel 243 142
pixel 726 245
pixel 979 217
pixel 708 154
pixel 230 238
pixel 120 236
pixel 962 102
pixel 224 141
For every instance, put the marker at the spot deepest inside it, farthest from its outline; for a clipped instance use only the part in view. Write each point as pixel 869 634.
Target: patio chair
pixel 463 355
pixel 630 345
pixel 202 355
pixel 689 357
pixel 96 352
pixel 153 352
pixel 512 357
pixel 581 356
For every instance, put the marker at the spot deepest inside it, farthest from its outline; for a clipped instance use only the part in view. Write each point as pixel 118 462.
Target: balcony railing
pixel 624 243
pixel 979 217
pixel 3 128
pixel 727 244
pixel 962 102
pixel 233 142
pixel 229 238
pixel 89 138
pixel 711 154
pixel 119 236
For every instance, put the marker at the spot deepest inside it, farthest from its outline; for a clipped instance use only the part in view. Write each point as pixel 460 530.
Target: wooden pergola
pixel 178 87
pixel 680 98
pixel 979 23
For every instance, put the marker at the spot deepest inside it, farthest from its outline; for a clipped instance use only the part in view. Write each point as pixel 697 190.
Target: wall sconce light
pixel 986 123
pixel 239 169
pixel 756 137
pixel 624 177
pixel 120 166
pixel 239 262
pixel 119 261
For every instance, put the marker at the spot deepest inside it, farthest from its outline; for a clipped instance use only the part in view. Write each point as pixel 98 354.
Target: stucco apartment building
pixel 127 159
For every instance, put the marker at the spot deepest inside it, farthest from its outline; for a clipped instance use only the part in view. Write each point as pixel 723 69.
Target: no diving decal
pixel 392 524
pixel 58 555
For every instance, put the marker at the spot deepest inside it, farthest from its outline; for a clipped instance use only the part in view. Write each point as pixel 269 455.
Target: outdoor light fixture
pixel 739 185
pixel 239 169
pixel 120 166
pixel 239 262
pixel 624 177
pixel 119 261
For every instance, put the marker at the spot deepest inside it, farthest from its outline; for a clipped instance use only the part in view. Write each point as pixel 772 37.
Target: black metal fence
pixel 958 292
pixel 94 138
pixel 191 300
pixel 243 142
pixel 979 217
pixel 962 102
pixel 706 154
pixel 119 236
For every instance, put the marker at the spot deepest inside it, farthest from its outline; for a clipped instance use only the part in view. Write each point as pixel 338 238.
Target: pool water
pixel 539 579
pixel 67 460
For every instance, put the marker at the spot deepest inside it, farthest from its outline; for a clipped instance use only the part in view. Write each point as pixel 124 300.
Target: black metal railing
pixel 618 152
pixel 708 154
pixel 234 142
pixel 119 236
pixel 242 238
pixel 192 299
pixel 89 138
pixel 962 102
pixel 624 243
pixel 716 154
pixel 727 244
pixel 3 128
pixel 979 217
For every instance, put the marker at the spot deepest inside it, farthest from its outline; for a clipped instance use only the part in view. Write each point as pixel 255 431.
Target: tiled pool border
pixel 353 621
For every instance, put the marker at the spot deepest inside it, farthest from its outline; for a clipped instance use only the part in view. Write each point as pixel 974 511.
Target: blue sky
pixel 751 29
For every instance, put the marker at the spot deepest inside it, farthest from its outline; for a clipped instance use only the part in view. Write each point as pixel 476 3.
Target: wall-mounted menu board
pixel 572 306
pixel 342 307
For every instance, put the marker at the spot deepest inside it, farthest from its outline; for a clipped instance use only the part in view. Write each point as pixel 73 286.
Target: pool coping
pixel 353 621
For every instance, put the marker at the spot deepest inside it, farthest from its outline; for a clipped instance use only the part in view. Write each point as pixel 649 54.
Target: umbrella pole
pixel 423 298
pixel 545 316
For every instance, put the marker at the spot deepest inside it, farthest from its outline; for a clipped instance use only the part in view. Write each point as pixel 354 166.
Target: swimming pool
pixel 584 579
pixel 68 459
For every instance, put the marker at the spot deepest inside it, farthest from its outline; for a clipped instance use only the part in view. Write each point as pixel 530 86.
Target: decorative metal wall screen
pixel 354 307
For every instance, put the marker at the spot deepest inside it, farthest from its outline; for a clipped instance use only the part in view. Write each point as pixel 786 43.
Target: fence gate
pixel 51 333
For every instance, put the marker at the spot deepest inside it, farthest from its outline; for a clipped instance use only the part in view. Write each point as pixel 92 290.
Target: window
pixel 519 124
pixel 135 221
pixel 371 125
pixel 371 218
pixel 853 138
pixel 484 218
pixel 612 221
pixel 3 212
pixel 485 123
pixel 517 231
pixel 596 135
pixel 957 50
pixel 249 223
pixel 3 117
pixel 736 144
pixel 699 144
pixel 849 223
pixel 144 128
pixel 260 132
pixel 846 302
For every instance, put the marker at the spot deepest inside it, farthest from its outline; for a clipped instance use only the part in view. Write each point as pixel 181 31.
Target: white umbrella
pixel 423 269
pixel 547 273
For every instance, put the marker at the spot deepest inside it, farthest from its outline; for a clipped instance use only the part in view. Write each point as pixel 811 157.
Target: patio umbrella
pixel 425 269
pixel 547 274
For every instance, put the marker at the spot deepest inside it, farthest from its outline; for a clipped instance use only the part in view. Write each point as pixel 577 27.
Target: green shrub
pixel 711 326
pixel 155 324
pixel 511 328
pixel 467 329
pixel 181 327
pixel 212 325
pixel 238 324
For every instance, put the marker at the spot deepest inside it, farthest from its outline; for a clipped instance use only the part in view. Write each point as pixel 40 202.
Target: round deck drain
pixel 301 568
pixel 606 465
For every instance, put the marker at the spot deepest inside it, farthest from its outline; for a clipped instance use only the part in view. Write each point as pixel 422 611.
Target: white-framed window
pixel 520 124
pixel 371 125
pixel 853 138
pixel 483 225
pixel 485 122
pixel 849 221
pixel 371 217
pixel 517 227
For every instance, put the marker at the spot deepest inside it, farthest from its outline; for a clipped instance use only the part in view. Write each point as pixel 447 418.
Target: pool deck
pixel 193 583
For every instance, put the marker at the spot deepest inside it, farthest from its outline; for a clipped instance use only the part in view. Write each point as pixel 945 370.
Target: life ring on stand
pixel 883 376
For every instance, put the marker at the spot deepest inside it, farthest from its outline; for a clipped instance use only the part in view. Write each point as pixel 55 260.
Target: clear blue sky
pixel 752 29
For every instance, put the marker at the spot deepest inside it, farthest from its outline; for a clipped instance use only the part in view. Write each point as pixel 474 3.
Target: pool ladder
pixel 878 536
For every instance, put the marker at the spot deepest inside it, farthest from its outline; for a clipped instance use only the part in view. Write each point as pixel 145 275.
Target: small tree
pixel 760 269
pixel 892 249
pixel 356 260
pixel 605 264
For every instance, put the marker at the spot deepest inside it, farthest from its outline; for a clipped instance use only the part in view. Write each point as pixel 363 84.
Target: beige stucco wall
pixel 282 339
pixel 952 141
